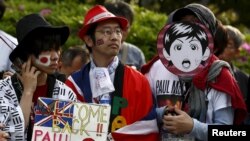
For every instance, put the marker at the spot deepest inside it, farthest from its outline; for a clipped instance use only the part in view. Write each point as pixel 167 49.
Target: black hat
pixel 204 14
pixel 33 25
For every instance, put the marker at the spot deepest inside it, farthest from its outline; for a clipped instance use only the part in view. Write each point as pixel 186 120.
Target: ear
pixel 206 54
pixel 166 55
pixel 88 40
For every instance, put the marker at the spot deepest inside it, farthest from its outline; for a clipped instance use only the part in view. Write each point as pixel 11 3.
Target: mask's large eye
pixel 177 47
pixel 193 47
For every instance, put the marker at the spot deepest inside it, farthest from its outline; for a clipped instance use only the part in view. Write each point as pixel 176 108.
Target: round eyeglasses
pixel 107 32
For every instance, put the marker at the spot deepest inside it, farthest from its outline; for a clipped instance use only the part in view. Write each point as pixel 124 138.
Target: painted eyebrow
pixel 179 40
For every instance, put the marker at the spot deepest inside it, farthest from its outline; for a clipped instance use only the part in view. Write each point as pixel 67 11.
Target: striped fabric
pixel 10 111
pixel 134 121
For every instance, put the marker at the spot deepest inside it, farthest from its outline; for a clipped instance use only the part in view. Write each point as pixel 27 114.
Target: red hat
pixel 97 14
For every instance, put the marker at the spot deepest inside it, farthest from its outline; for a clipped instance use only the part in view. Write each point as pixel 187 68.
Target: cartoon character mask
pixel 185 48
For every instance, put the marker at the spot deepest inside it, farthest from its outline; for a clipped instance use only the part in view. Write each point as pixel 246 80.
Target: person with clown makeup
pixel 105 80
pixel 191 86
pixel 35 60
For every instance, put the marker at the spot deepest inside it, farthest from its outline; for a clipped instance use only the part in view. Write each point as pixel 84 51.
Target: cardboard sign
pixel 57 120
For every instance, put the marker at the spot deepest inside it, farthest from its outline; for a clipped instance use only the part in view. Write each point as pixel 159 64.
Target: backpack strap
pixel 118 84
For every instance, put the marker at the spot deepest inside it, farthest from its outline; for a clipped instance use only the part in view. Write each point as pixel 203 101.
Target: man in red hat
pixel 106 80
pixel 129 53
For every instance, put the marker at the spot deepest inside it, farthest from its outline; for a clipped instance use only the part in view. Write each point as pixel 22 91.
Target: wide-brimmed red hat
pixel 97 14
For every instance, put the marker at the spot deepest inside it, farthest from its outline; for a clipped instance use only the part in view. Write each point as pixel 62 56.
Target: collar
pixel 111 67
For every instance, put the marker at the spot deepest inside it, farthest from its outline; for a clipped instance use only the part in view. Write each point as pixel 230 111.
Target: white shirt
pixel 7 45
pixel 163 82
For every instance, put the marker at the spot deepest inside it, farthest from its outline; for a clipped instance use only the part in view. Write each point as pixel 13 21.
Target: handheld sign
pixel 185 48
pixel 57 120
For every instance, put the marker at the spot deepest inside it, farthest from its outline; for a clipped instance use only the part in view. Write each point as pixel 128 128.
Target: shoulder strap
pixel 118 84
pixel 118 81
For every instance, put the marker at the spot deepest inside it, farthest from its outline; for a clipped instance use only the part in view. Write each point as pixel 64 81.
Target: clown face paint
pixel 99 42
pixel 43 60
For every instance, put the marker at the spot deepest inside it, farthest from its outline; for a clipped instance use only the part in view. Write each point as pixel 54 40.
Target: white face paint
pixel 43 60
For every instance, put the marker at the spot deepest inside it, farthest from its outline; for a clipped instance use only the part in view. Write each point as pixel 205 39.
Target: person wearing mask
pixel 36 59
pixel 207 98
pixel 106 80
pixel 129 54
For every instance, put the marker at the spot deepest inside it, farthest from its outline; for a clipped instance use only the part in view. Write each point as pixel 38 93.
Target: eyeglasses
pixel 107 32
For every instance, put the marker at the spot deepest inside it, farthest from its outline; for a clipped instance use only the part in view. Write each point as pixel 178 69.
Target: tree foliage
pixel 150 17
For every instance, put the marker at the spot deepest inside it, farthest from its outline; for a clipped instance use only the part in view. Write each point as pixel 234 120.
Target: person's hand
pixel 28 77
pixel 178 123
pixel 3 135
pixel 7 73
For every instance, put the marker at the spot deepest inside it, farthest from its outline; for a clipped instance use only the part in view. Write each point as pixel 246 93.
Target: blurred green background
pixel 150 17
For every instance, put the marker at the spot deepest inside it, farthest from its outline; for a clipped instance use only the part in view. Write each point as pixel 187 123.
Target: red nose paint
pixel 44 60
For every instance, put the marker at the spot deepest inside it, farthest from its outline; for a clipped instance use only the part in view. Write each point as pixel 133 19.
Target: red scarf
pixel 145 68
pixel 225 82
